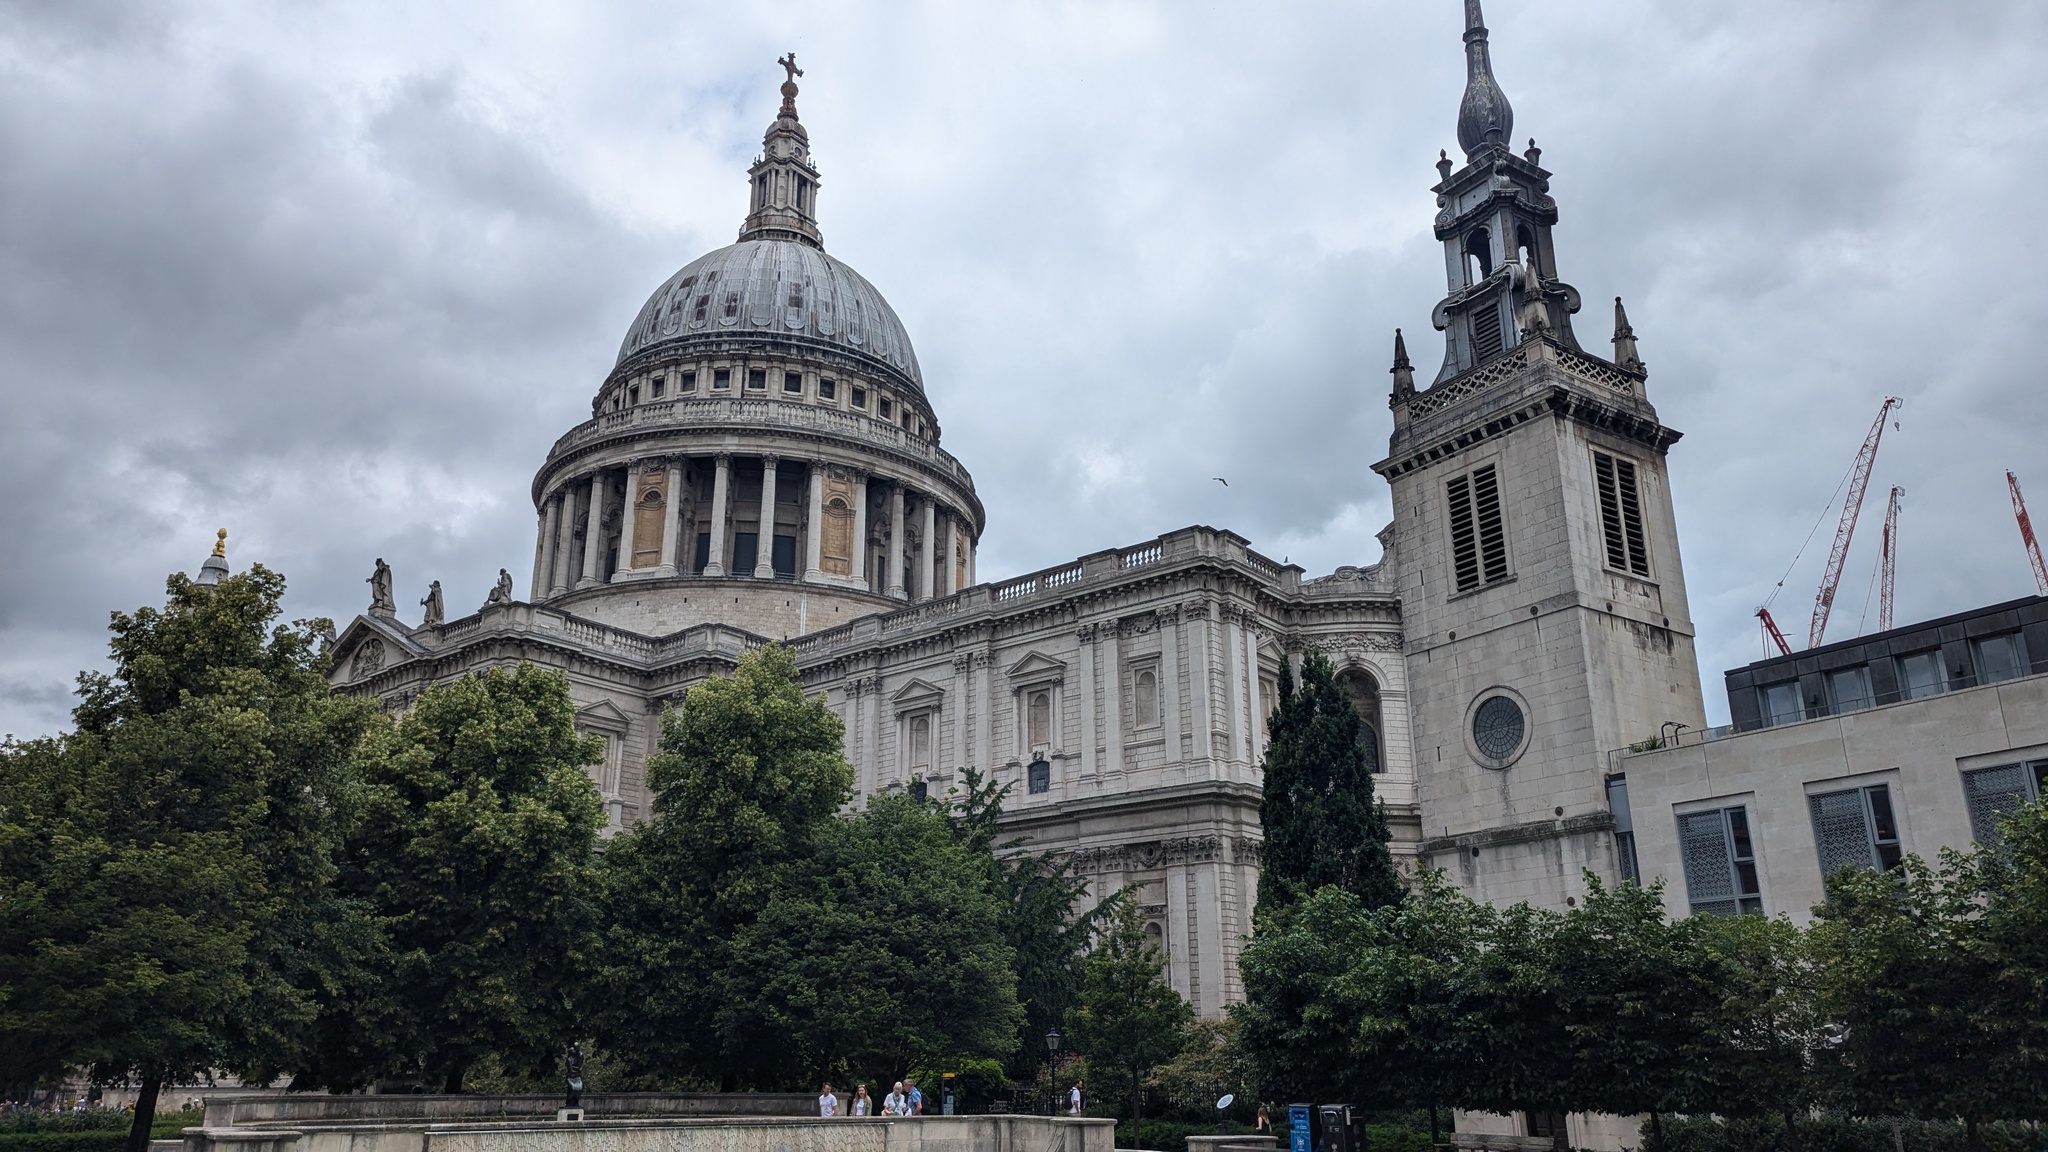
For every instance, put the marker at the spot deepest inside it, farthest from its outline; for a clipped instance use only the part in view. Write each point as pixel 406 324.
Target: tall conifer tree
pixel 1323 826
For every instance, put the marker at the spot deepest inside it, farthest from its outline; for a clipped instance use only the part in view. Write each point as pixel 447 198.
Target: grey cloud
pixel 335 278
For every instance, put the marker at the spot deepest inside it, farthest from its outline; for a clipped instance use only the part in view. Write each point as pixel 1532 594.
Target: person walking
pixel 896 1103
pixel 1074 1099
pixel 828 1104
pixel 915 1097
pixel 862 1105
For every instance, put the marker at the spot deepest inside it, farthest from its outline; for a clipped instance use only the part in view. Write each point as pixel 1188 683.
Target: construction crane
pixel 1888 562
pixel 1852 507
pixel 1771 630
pixel 2019 512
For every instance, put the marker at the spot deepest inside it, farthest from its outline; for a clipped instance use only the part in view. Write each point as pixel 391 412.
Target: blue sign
pixel 1297 1128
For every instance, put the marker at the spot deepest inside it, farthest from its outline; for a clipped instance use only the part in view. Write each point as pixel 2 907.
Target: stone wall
pixel 672 1134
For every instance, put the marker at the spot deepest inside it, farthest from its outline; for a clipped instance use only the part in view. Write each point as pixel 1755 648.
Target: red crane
pixel 1771 630
pixel 2019 512
pixel 1852 507
pixel 1889 563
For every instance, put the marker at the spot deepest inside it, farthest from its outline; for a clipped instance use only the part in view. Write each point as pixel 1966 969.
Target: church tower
pixel 1533 543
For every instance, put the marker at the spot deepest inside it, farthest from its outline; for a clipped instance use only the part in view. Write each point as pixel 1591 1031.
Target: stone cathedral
pixel 763 463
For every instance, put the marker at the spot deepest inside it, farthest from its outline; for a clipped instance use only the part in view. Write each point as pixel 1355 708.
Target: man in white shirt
pixel 828 1104
pixel 1074 1099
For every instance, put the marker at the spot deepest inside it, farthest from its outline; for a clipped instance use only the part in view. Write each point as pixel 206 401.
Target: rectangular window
pixel 1920 675
pixel 1849 689
pixel 689 383
pixel 757 379
pixel 860 397
pixel 633 394
pixel 1991 794
pixel 1624 829
pixel 2000 658
pixel 660 386
pixel 828 389
pixel 1039 777
pixel 1486 331
pixel 746 549
pixel 1855 828
pixel 792 382
pixel 1781 703
pixel 1479 549
pixel 784 557
pixel 885 408
pixel 1621 514
pixel 1720 862
pixel 703 552
pixel 721 379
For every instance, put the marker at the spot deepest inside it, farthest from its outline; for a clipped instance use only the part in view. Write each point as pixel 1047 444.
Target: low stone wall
pixel 734 1134
pixel 318 1108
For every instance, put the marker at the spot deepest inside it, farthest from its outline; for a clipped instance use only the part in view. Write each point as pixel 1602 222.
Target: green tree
pixel 749 777
pixel 1756 1055
pixel 1322 824
pixel 1039 892
pixel 2013 878
pixel 1911 980
pixel 473 842
pixel 1128 1019
pixel 887 947
pixel 169 908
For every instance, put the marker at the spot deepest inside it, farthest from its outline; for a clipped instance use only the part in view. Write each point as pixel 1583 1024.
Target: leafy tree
pixel 1039 891
pixel 749 777
pixel 169 908
pixel 1128 1019
pixel 887 947
pixel 2013 936
pixel 1755 1057
pixel 1321 822
pixel 474 840
pixel 1909 977
pixel 1300 1021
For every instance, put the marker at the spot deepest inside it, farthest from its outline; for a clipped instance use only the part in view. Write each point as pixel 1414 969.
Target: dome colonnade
pixel 765 426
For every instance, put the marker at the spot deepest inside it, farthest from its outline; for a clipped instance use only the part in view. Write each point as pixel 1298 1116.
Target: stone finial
pixel 1404 372
pixel 1443 164
pixel 788 63
pixel 1625 356
pixel 216 565
pixel 1484 118
pixel 1534 155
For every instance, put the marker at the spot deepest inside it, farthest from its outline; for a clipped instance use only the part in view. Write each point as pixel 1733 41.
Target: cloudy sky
pixel 334 276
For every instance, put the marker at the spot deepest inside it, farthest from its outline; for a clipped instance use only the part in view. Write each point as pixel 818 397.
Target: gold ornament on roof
pixel 220 543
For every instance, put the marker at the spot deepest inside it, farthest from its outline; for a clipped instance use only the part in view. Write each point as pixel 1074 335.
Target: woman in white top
pixel 862 1105
pixel 896 1103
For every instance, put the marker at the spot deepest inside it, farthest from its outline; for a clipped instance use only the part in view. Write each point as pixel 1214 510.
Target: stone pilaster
pixel 764 546
pixel 721 498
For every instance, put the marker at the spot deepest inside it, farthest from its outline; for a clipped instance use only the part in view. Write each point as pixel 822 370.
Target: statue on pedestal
pixel 501 592
pixel 381 603
pixel 575 1069
pixel 432 604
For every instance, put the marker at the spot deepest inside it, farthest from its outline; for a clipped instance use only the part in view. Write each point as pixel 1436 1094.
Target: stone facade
pixel 762 463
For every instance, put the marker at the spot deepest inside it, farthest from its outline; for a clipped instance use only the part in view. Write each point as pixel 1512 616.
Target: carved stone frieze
pixel 1355 642
pixel 1147 854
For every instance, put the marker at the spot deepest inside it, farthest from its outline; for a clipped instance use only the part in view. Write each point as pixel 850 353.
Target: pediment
pixel 368 646
pixel 917 694
pixel 604 716
pixel 1036 668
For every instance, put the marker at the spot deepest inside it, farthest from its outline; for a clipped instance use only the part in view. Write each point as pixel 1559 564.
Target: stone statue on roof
pixel 432 604
pixel 381 602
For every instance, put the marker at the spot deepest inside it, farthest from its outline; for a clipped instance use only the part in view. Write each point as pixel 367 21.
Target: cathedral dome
pixel 775 290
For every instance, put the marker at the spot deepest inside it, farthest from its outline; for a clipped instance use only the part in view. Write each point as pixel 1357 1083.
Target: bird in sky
pixel 1220 480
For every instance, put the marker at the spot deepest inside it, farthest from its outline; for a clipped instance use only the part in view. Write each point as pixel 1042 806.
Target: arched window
pixel 1525 247
pixel 1038 719
pixel 1365 699
pixel 1145 706
pixel 1478 255
pixel 920 743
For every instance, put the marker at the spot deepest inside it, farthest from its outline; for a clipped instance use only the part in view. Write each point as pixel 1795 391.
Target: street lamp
pixel 1053 1043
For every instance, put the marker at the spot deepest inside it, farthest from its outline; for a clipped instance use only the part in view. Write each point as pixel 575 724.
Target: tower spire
pixel 1484 117
pixel 1625 356
pixel 1404 372
pixel 784 198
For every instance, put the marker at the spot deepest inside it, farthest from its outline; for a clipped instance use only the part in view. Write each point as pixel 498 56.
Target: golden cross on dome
pixel 789 65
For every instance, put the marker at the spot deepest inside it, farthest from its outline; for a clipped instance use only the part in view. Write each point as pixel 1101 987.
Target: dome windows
pixel 757 379
pixel 721 380
pixel 860 397
pixel 792 382
pixel 828 389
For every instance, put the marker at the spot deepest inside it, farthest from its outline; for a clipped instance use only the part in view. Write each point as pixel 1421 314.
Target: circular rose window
pixel 1498 728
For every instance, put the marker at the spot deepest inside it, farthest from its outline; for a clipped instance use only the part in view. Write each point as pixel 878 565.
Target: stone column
pixel 927 573
pixel 814 525
pixel 629 519
pixel 1248 643
pixel 1201 671
pixel 860 530
pixel 1233 662
pixel 956 712
pixel 985 714
pixel 565 542
pixel 1169 680
pixel 1090 694
pixel 593 534
pixel 721 493
pixel 970 564
pixel 544 550
pixel 671 518
pixel 764 531
pixel 950 544
pixel 894 583
pixel 1113 702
